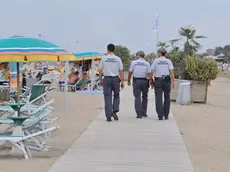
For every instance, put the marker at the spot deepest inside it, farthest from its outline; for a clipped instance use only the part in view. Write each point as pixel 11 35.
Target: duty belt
pixel 111 76
pixel 134 78
pixel 162 77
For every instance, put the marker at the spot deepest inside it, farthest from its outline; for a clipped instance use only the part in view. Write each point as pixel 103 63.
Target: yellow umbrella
pixel 24 49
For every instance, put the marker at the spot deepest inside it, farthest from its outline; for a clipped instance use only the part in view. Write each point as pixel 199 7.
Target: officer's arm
pixel 100 67
pixel 100 74
pixel 172 75
pixel 171 68
pixel 152 73
pixel 150 76
pixel 129 76
pixel 131 71
pixel 121 71
pixel 122 76
pixel 153 67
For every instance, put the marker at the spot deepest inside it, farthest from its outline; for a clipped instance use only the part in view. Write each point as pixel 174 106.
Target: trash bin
pixel 184 94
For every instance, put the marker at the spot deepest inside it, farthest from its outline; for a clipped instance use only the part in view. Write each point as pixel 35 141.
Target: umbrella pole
pixel 92 73
pixel 18 87
pixel 66 83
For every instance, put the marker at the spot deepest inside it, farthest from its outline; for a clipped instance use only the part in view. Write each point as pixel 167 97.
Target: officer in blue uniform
pixel 141 71
pixel 162 69
pixel 111 68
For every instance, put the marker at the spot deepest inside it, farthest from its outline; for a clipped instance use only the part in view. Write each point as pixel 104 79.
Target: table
pixel 14 106
pixel 18 121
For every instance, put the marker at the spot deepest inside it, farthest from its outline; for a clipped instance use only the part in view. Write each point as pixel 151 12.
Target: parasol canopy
pixel 25 49
pixel 88 56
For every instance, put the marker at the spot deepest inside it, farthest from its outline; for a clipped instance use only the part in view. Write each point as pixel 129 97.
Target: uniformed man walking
pixel 112 68
pixel 141 71
pixel 162 68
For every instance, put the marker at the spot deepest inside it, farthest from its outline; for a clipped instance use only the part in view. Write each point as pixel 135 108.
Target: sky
pixel 89 25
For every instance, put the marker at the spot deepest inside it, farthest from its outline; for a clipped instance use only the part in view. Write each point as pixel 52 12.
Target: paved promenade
pixel 129 145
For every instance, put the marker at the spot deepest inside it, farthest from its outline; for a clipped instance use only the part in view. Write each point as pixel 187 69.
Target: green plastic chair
pixel 81 83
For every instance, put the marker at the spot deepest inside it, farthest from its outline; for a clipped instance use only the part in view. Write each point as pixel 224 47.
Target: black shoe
pixel 114 115
pixel 145 115
pixel 160 118
pixel 109 119
pixel 139 116
pixel 166 117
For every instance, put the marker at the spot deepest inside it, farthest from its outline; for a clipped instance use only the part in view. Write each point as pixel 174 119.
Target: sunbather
pixel 72 72
pixel 84 74
pixel 62 78
pixel 73 78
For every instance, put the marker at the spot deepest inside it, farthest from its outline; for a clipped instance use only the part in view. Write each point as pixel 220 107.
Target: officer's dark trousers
pixel 141 86
pixel 111 85
pixel 162 86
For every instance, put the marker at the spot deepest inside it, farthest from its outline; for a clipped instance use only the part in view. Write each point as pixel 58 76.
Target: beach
pixel 74 120
pixel 205 128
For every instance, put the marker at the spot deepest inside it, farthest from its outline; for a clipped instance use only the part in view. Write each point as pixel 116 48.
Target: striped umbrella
pixel 88 56
pixel 25 49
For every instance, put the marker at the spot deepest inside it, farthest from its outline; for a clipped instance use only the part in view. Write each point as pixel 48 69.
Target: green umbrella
pixel 24 49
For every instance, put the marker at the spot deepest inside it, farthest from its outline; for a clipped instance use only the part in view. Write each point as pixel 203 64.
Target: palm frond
pixel 196 44
pixel 183 32
pixel 162 44
pixel 201 36
pixel 173 41
pixel 192 34
pixel 186 31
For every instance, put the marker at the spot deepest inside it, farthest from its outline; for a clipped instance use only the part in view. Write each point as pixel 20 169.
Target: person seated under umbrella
pixel 72 72
pixel 73 78
pixel 84 74
pixel 62 78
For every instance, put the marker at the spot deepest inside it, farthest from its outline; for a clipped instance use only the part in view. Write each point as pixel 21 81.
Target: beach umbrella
pixel 25 49
pixel 88 56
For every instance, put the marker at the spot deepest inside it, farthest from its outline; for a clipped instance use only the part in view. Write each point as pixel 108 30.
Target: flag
pixel 155 23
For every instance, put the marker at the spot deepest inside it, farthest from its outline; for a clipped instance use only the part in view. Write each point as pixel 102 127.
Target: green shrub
pixel 178 61
pixel 200 69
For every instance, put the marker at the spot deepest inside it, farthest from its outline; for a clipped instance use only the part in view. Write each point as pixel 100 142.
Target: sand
pixel 81 111
pixel 206 128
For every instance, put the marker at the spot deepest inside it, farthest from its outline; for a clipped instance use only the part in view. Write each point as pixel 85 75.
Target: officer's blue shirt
pixel 140 68
pixel 162 66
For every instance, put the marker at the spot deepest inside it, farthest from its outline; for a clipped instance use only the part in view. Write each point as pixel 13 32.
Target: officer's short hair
pixel 111 47
pixel 140 53
pixel 162 50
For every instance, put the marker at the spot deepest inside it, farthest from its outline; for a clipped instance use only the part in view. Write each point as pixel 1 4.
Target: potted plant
pixel 199 71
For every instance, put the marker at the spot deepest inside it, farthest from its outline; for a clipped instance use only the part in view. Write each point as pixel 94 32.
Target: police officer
pixel 141 71
pixel 112 68
pixel 162 68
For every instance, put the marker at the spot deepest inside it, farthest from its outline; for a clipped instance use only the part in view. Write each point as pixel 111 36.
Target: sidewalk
pixel 129 145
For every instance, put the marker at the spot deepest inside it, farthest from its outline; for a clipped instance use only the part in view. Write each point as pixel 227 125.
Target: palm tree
pixel 174 47
pixel 188 35
pixel 162 44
